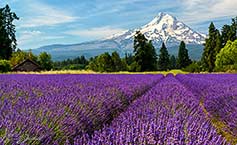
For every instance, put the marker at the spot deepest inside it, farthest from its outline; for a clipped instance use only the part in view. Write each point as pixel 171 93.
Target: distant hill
pixel 163 28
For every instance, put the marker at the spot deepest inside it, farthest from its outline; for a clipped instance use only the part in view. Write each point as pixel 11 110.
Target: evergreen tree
pixel 7 32
pixel 93 64
pixel 118 64
pixel 77 63
pixel 145 54
pixel 225 34
pixel 183 58
pixel 129 58
pixel 105 63
pixel 83 60
pixel 229 32
pixel 163 59
pixel 211 47
pixel 151 57
pixel 218 47
pixel 233 34
pixel 173 62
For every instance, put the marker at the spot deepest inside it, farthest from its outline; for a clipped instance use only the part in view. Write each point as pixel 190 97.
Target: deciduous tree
pixel 45 61
pixel 227 58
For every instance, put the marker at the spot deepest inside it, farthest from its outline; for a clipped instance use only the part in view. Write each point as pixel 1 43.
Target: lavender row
pixel 167 114
pixel 218 93
pixel 41 109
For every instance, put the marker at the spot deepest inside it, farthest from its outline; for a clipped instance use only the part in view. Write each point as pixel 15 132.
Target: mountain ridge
pixel 163 28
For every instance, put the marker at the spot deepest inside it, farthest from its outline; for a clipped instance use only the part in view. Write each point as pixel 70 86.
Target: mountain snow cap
pixel 162 18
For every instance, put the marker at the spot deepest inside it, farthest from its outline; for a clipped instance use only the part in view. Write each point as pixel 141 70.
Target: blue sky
pixel 45 22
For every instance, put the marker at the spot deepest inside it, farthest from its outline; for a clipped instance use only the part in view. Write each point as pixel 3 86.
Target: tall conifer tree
pixel 183 58
pixel 7 32
pixel 173 62
pixel 145 54
pixel 211 48
pixel 163 60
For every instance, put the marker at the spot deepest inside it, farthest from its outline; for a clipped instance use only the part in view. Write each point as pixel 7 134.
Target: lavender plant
pixel 41 109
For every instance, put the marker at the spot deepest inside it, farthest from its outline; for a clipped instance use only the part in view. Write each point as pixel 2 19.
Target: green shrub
pixel 134 67
pixel 5 66
pixel 193 67
pixel 226 59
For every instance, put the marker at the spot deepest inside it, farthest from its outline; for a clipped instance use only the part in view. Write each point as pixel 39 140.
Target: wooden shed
pixel 27 65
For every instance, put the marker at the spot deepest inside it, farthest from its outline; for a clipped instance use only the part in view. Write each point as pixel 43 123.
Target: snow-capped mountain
pixel 163 28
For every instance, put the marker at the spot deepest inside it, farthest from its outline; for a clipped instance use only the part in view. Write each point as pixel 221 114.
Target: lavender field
pixel 121 109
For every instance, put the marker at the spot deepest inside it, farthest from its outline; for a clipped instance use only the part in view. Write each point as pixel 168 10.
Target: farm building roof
pixel 27 65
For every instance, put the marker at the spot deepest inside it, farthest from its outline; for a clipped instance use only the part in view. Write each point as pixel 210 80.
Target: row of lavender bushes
pixel 218 95
pixel 167 114
pixel 42 109
pixel 108 109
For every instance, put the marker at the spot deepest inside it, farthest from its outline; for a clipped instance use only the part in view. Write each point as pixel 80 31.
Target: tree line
pixel 219 54
pixel 144 58
pixel 77 63
pixel 220 51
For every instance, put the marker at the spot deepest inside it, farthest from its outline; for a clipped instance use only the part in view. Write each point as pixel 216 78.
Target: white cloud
pixel 225 8
pixel 40 14
pixel 207 10
pixel 28 37
pixel 25 36
pixel 97 33
pixel 52 37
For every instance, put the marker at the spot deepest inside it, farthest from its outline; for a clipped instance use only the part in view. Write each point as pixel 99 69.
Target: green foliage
pixel 193 67
pixel 107 63
pixel 45 61
pixel 173 62
pixel 7 32
pixel 225 34
pixel 5 66
pixel 74 67
pixel 227 58
pixel 19 56
pixel 218 47
pixel 92 64
pixel 183 58
pixel 229 32
pixel 212 47
pixel 135 67
pixel 163 60
pixel 118 63
pixel 77 63
pixel 144 53
pixel 129 59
